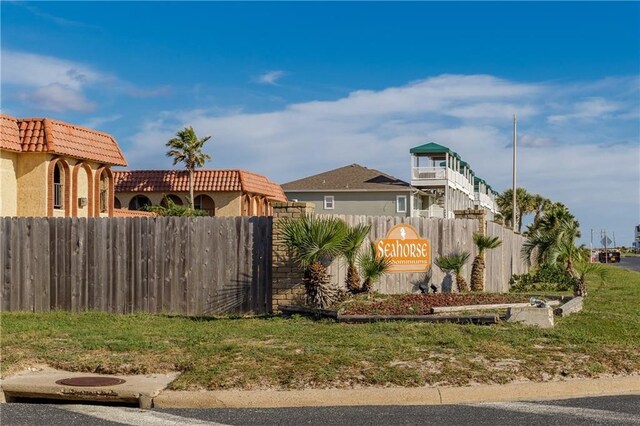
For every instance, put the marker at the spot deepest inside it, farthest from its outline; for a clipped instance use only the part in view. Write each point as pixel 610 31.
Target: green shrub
pixel 544 278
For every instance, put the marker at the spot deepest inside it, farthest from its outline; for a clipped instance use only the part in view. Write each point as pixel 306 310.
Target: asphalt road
pixel 611 410
pixel 631 262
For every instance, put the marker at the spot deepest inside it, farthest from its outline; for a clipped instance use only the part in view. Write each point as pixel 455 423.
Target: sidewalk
pixel 148 391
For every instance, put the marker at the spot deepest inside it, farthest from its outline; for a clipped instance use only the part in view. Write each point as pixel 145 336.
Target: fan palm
pixel 454 262
pixel 524 205
pixel 350 249
pixel 187 148
pixel 584 268
pixel 483 243
pixel 553 234
pixel 314 242
pixel 373 267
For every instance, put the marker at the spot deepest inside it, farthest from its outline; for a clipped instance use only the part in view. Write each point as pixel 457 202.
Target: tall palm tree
pixel 373 267
pixel 483 243
pixel 454 262
pixel 351 247
pixel 539 205
pixel 314 242
pixel 187 148
pixel 524 206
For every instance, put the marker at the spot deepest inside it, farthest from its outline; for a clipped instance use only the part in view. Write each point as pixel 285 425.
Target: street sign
pixel 606 241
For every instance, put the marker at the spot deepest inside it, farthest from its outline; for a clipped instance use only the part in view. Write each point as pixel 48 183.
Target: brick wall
pixel 477 214
pixel 287 277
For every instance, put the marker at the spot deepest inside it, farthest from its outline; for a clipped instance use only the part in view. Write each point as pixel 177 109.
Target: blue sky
pixel 293 89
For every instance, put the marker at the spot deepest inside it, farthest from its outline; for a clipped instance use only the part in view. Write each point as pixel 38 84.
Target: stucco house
pixel 218 192
pixel 353 190
pixel 52 168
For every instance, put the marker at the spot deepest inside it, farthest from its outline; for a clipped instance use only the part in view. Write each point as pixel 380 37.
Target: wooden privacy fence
pixel 175 265
pixel 445 236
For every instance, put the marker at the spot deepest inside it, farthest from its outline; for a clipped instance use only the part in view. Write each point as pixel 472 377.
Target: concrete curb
pixel 571 388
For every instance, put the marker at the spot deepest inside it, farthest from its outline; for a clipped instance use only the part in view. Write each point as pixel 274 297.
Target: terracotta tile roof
pixel 9 133
pixel 203 181
pixel 58 137
pixel 353 177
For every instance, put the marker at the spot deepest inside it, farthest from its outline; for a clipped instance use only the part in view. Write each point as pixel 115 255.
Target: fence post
pixel 477 214
pixel 286 281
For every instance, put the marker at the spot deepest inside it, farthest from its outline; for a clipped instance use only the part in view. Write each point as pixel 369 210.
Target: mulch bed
pixel 421 304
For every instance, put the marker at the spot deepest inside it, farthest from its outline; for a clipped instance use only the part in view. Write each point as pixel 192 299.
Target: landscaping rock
pixel 572 306
pixel 531 315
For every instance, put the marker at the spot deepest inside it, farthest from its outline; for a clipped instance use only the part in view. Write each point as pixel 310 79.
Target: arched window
pixel 116 203
pixel 139 202
pixel 58 187
pixel 104 192
pixel 206 203
pixel 174 198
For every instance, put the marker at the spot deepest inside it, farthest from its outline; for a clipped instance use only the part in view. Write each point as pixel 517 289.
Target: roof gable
pixel 58 137
pixel 353 177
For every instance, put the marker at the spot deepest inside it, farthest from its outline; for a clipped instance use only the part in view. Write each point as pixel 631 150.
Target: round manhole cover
pixel 90 381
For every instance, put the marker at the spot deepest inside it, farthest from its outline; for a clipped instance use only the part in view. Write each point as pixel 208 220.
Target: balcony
pixel 439 176
pixel 433 211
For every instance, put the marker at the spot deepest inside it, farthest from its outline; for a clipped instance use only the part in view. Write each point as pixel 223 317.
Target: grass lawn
pixel 277 353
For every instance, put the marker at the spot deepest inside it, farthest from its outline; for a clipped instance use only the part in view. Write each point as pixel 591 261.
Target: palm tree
pixel 373 267
pixel 552 237
pixel 539 205
pixel 351 247
pixel 314 242
pixel 583 268
pixel 524 205
pixel 187 148
pixel 454 262
pixel 483 243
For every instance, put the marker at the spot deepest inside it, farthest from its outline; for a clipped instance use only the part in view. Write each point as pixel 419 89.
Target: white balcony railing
pixel 433 211
pixel 419 173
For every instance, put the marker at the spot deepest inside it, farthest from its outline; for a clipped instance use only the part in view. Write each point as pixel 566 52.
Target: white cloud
pixel 54 84
pixel 271 77
pixel 58 98
pixel 587 109
pixel 27 69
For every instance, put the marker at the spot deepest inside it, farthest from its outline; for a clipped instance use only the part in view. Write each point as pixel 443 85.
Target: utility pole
pixel 513 213
pixel 591 248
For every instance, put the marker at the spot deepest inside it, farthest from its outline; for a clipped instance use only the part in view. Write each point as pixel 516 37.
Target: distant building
pixel 636 239
pixel 353 190
pixel 52 168
pixel 218 192
pixel 446 183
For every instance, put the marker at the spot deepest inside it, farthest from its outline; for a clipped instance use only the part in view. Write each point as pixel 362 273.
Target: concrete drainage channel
pixel 55 385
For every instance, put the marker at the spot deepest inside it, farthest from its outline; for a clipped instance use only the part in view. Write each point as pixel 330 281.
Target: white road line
pixel 135 416
pixel 587 413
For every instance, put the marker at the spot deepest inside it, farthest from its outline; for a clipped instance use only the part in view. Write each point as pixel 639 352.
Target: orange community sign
pixel 406 250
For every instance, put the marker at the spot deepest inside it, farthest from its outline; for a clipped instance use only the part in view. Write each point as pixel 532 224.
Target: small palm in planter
pixel 351 248
pixel 453 263
pixel 483 243
pixel 373 267
pixel 315 242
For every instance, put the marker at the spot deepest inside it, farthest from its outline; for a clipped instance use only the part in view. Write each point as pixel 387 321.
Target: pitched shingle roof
pixel 58 137
pixel 203 181
pixel 353 177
